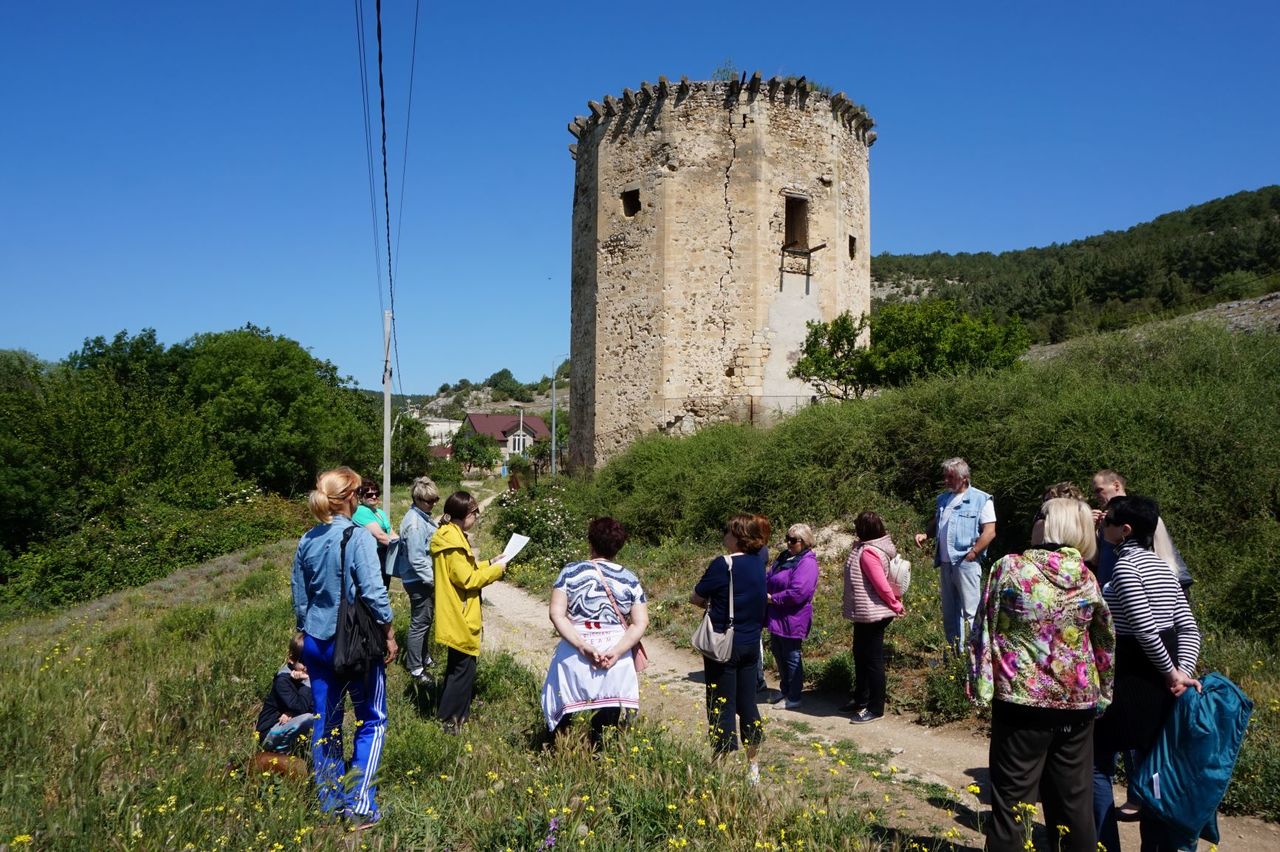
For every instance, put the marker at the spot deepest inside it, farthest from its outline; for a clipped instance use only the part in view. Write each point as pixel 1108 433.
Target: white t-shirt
pixel 986 516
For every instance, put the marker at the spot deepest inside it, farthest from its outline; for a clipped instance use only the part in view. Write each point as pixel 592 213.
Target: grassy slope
pixel 130 722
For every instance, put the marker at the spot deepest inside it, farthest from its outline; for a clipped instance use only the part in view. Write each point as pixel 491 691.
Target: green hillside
pixel 1186 411
pixel 1225 249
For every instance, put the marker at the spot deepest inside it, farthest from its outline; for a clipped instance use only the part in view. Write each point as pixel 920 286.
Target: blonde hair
pixel 802 532
pixel 332 492
pixel 424 490
pixel 1069 522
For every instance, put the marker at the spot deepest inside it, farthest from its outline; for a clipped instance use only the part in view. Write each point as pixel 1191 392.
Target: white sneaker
pixel 416 673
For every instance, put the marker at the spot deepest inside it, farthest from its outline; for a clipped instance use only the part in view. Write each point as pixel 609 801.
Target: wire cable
pixel 404 165
pixel 386 193
pixel 368 146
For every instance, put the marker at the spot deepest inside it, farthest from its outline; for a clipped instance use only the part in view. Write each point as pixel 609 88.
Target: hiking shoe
pixel 791 705
pixel 359 822
pixel 864 716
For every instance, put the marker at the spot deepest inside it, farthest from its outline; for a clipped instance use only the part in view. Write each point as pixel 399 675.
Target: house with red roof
pixel 513 433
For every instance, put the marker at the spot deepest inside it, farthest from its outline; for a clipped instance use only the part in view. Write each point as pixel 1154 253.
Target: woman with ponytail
pixel 459 579
pixel 347 790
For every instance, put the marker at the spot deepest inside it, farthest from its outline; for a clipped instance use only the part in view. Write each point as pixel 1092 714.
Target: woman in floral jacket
pixel 1042 656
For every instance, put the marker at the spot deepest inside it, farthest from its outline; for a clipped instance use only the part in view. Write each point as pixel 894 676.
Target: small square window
pixel 630 202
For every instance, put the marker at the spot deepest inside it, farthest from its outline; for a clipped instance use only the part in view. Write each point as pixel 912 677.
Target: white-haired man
pixel 964 524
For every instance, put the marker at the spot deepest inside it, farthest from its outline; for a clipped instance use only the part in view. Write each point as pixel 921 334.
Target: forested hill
pixel 1225 249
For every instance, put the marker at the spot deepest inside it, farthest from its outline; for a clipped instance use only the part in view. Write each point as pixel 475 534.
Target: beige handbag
pixel 716 646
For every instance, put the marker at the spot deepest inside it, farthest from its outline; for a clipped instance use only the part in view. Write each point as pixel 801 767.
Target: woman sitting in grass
pixel 599 609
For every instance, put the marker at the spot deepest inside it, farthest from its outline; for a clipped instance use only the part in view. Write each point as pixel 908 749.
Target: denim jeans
pixel 961 596
pixel 786 653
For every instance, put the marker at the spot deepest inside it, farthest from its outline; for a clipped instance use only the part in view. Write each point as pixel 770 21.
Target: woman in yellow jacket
pixel 459 579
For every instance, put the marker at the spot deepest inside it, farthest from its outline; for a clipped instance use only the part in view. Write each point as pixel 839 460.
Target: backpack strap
pixel 342 556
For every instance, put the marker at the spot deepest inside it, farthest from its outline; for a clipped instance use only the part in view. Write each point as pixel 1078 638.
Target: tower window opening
pixel 630 202
pixel 853 246
pixel 796 234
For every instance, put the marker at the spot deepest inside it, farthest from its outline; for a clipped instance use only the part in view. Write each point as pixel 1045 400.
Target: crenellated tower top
pixel 642 108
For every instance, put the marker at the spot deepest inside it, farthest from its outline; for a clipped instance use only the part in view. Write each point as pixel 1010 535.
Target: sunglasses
pixel 793 540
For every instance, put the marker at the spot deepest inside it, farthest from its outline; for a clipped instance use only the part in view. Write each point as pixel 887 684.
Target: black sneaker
pixel 852 707
pixel 864 716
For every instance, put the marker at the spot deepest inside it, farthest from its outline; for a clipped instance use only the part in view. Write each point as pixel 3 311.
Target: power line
pixel 368 146
pixel 386 191
pixel 404 165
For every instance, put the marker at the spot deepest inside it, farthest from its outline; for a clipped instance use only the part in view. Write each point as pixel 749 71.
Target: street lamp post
pixel 555 369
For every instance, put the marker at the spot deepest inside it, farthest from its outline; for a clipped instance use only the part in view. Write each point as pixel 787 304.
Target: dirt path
pixel 672 689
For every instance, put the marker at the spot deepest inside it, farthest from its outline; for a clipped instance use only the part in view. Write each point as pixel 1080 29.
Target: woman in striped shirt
pixel 1157 647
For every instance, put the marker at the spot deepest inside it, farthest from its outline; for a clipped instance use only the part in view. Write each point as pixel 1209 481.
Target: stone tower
pixel 711 220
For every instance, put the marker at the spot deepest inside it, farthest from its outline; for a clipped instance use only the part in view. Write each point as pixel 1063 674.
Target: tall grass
pixel 129 725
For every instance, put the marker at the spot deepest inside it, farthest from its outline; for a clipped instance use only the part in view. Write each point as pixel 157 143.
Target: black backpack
pixel 359 641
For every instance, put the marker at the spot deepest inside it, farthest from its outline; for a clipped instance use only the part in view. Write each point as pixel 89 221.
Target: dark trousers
pixel 1037 760
pixel 786 653
pixel 868 665
pixel 731 692
pixel 605 717
pixel 459 687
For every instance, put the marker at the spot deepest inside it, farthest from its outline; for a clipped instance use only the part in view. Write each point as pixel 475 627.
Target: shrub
pixel 557 534
pixel 147 542
pixel 945 698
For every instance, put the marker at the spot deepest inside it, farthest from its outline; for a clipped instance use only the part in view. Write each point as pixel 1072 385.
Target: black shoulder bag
pixel 359 641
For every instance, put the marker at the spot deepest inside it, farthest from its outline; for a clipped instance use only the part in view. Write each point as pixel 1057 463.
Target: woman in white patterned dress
pixel 599 609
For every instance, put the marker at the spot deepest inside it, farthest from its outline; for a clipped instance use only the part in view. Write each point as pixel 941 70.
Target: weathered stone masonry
pixel 711 220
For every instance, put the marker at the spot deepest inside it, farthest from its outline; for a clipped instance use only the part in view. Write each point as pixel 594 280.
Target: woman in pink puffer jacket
pixel 870 603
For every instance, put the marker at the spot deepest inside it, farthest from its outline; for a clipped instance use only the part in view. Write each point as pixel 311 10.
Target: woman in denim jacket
pixel 345 790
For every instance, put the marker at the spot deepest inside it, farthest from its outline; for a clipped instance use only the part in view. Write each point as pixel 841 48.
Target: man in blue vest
pixel 964 524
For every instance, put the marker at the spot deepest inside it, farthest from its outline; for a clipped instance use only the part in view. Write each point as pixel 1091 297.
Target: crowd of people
pixel 1080 643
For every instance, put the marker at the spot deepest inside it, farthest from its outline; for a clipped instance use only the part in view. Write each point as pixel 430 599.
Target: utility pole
pixel 555 369
pixel 386 412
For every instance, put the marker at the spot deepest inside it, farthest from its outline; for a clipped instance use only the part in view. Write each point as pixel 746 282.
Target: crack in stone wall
pixel 728 212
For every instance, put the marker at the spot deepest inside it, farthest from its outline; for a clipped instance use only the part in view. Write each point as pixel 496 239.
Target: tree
pixel 834 361
pixel 278 413
pixel 909 341
pixel 410 448
pixel 474 450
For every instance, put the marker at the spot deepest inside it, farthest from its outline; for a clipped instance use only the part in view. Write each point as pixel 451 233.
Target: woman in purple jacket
pixel 790 585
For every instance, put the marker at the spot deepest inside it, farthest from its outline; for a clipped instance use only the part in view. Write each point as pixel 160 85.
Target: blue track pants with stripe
pixel 342 786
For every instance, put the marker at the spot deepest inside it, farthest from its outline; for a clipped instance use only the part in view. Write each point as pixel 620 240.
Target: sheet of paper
pixel 514 546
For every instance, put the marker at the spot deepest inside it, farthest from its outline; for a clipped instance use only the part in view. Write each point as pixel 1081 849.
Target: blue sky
pixel 193 167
